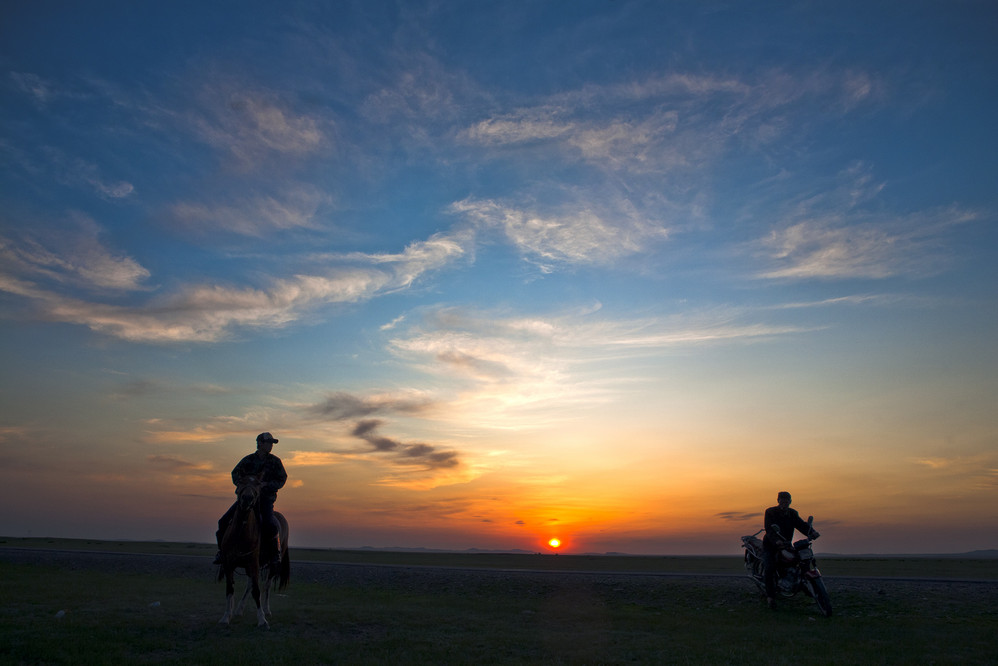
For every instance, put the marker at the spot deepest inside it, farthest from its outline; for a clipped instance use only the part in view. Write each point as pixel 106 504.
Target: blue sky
pixel 493 272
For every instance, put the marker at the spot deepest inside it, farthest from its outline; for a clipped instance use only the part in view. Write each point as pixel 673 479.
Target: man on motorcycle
pixel 780 522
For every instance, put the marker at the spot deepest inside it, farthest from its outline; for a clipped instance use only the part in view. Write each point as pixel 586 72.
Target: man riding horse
pixel 269 472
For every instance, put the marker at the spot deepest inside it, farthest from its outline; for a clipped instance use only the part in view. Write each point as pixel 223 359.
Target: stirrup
pixel 275 561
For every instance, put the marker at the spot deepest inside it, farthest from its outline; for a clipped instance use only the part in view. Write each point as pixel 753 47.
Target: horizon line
pixel 981 553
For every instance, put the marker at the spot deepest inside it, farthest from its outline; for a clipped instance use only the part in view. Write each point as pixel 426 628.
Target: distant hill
pixel 990 554
pixel 403 549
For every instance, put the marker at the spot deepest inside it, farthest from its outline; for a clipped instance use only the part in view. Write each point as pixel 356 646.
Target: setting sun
pixel 554 543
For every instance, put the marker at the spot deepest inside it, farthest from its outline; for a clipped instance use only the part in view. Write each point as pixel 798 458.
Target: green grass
pixel 431 618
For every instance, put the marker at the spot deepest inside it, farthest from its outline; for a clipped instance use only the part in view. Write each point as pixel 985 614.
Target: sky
pixel 499 272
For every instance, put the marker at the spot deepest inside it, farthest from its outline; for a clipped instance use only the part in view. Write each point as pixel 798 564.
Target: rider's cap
pixel 265 437
pixel 782 494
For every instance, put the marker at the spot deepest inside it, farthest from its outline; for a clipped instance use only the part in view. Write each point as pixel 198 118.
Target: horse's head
pixel 248 493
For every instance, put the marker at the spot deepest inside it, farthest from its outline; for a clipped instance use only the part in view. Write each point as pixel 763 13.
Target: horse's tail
pixel 285 574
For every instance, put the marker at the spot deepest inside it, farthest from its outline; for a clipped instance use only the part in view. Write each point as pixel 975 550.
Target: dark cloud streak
pixel 176 464
pixel 342 406
pixel 737 516
pixel 405 454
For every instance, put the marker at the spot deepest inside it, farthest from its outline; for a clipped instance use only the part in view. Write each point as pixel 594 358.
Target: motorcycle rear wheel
pixel 821 597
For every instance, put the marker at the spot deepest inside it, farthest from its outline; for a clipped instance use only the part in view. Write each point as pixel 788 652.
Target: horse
pixel 241 547
pixel 277 576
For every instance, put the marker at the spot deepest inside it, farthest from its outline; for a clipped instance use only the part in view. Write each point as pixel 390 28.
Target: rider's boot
pixel 218 554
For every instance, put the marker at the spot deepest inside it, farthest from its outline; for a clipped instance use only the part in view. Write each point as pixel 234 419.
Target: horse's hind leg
pixel 265 594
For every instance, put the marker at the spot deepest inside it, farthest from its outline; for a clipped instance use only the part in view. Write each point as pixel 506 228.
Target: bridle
pixel 248 494
pixel 248 500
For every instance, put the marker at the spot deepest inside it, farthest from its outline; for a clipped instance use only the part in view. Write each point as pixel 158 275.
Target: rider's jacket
pixel 788 521
pixel 269 469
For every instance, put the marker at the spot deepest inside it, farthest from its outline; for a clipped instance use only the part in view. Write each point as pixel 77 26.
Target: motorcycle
pixel 796 569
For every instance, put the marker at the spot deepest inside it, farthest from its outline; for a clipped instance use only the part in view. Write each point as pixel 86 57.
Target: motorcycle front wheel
pixel 753 567
pixel 821 597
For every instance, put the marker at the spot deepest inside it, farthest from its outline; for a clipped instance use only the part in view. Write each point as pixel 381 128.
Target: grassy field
pixel 364 615
pixel 899 567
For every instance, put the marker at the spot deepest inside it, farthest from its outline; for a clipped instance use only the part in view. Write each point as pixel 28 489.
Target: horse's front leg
pixel 261 619
pixel 246 594
pixel 230 599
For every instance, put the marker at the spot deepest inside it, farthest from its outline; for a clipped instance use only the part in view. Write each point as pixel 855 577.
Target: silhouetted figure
pixel 780 522
pixel 269 472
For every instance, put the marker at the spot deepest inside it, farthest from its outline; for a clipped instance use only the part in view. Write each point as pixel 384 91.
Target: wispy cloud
pixel 507 364
pixel 314 458
pixel 250 123
pixel 35 86
pixel 856 299
pixel 178 465
pixel 420 257
pixel 210 312
pixel 59 163
pixel 670 120
pixel 934 463
pixel 960 474
pixel 519 127
pixel 835 229
pixel 78 172
pixel 456 335
pixel 842 247
pixel 474 345
pixel 201 434
pixel 145 387
pixel 44 91
pixel 415 91
pixel 256 216
pixel 577 233
pixel 13 432
pixel 76 259
pixel 643 152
